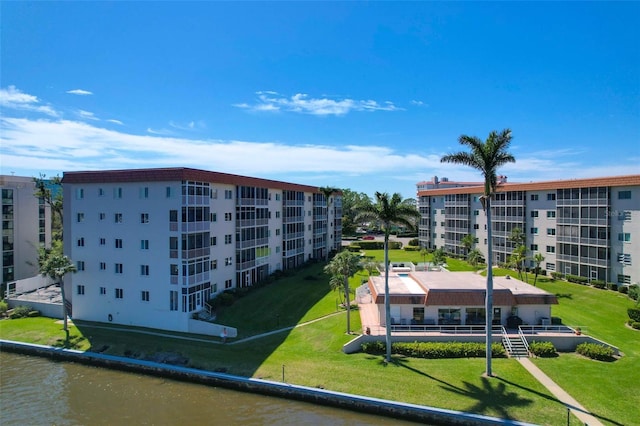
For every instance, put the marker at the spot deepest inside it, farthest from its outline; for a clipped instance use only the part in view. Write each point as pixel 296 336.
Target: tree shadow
pixel 564 295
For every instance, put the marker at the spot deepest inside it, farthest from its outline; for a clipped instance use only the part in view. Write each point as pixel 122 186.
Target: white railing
pixel 445 329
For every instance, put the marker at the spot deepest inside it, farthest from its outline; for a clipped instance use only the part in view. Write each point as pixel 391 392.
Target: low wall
pixel 51 310
pixel 210 329
pixel 397 410
pixel 569 342
pixel 354 345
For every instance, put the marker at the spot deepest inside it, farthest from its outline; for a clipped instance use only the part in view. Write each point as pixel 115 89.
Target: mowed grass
pixel 311 354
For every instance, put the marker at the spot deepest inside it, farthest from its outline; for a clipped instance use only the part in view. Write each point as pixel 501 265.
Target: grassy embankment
pixel 311 354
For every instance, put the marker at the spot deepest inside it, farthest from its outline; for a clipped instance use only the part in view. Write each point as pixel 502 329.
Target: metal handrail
pixel 524 340
pixel 505 338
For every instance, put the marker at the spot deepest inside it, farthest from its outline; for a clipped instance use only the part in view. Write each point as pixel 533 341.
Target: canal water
pixel 38 391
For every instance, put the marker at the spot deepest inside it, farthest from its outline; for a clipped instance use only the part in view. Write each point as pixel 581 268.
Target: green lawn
pixel 312 356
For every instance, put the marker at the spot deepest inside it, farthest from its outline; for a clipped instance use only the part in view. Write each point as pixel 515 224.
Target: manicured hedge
pixel 595 351
pixel 435 350
pixel 634 314
pixel 543 349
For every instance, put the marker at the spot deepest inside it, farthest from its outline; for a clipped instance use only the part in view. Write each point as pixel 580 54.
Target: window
pixel 118 268
pixel 117 218
pixel 624 215
pixel 551 231
pixel 442 211
pixel 228 217
pixel 144 217
pixel 117 192
pixel 80 289
pixel 534 231
pixel 103 241
pixel 144 192
pixel 228 194
pixel 227 261
pixel 278 231
pixel 213 241
pixel 214 264
pixel 550 266
pixel 102 216
pixel 80 217
pixel 168 192
pixel 624 279
pixel 118 242
pixel 144 295
pixel 534 197
pixel 624 195
pixel 79 193
pixel 551 249
pixel 81 242
pixel 144 244
pixel 534 213
pixel 476 212
pixel 534 247
pixel 213 217
pixel 80 265
pixel 624 236
pixel 144 270
pixel 476 226
pixel 441 235
pixel 103 266
pixel 173 268
pixel 173 215
pixel 173 300
pixel 624 258
pixel 228 284
pixel 551 197
pixel 227 239
pixel 103 291
pixel 277 197
pixel 119 293
pixel 551 213
pixel 441 223
pixel 277 214
pixel 100 192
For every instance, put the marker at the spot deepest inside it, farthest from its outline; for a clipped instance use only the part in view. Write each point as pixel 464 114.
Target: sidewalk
pixel 578 410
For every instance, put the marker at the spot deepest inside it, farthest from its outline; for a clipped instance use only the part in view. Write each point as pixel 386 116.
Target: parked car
pixel 368 237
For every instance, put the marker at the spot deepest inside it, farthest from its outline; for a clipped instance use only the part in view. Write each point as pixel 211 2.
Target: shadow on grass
pixel 564 295
pixel 490 396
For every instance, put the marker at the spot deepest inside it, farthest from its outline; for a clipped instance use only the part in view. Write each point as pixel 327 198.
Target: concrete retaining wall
pixel 397 410
pixel 354 345
pixel 51 310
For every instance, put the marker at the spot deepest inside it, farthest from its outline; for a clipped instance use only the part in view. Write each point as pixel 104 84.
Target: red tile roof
pixel 178 174
pixel 628 180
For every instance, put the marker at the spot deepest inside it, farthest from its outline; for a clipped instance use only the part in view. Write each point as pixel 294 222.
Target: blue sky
pixel 366 96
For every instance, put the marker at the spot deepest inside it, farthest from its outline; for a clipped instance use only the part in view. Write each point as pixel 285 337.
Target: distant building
pixel 153 245
pixel 26 226
pixel 585 227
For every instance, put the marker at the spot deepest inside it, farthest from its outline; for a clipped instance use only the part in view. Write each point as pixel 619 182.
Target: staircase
pixel 515 346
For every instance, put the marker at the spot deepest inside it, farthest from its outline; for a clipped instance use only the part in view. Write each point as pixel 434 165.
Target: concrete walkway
pixel 578 410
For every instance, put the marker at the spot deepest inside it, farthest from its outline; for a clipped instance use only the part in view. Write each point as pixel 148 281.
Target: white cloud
pixel 13 98
pixel 115 121
pixel 417 103
pixel 87 115
pixel 191 125
pixel 302 103
pixel 79 92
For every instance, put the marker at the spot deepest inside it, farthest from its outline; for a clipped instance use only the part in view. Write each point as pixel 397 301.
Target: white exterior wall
pixel 620 210
pixel 546 243
pixel 219 229
pixel 437 218
pixel 24 223
pixel 275 230
pixel 308 226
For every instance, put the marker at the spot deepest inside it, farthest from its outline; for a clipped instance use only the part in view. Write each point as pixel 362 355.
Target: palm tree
pixel 388 210
pixel 327 191
pixel 486 157
pixel 343 266
pixel 467 242
pixel 423 253
pixel 538 258
pixel 439 257
pixel 474 257
pixel 517 259
pixel 56 266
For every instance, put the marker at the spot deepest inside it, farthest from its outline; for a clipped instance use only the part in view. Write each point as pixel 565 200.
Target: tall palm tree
pixel 486 157
pixel 467 242
pixel 538 258
pixel 439 257
pixel 56 266
pixel 327 191
pixel 388 210
pixel 474 257
pixel 343 266
pixel 424 252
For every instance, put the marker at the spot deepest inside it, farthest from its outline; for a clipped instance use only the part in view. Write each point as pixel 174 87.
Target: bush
pixel 598 283
pixel 543 349
pixel 612 286
pixel 33 314
pixel 412 248
pixel 435 350
pixel 4 307
pixel 634 313
pixel 354 248
pixel 393 245
pixel 370 245
pixel 577 279
pixel 20 312
pixel 623 289
pixel 634 324
pixel 634 291
pixel 413 242
pixel 557 275
pixel 595 351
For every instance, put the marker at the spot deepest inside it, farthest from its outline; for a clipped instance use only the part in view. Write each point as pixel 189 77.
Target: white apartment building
pixel 585 227
pixel 26 226
pixel 153 245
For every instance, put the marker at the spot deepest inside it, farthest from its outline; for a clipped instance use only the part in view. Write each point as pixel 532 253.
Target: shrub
pixel 4 307
pixel 354 248
pixel 412 248
pixel 413 242
pixel 33 314
pixel 634 324
pixel 612 286
pixel 623 289
pixel 20 312
pixel 577 279
pixel 557 275
pixel 634 291
pixel 393 245
pixel 435 350
pixel 371 245
pixel 556 321
pixel 595 351
pixel 543 349
pixel 598 283
pixel 634 313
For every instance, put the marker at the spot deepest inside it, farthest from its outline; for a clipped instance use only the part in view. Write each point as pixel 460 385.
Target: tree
pixel 423 253
pixel 50 190
pixel 474 257
pixel 538 258
pixel 439 257
pixel 486 157
pixel 388 210
pixel 327 191
pixel 343 266
pixel 467 242
pixel 517 259
pixel 350 201
pixel 56 266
